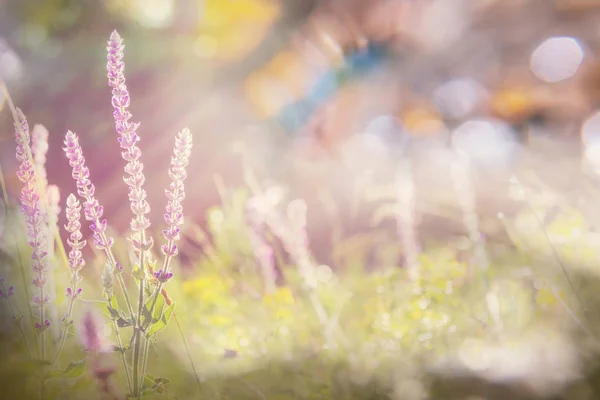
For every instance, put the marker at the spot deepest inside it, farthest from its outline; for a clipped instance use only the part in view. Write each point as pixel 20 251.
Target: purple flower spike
pixel 37 227
pixel 10 292
pixel 176 192
pixel 42 327
pixel 163 276
pixel 128 136
pixel 75 241
pixel 91 208
pixel 73 294
pixel 40 301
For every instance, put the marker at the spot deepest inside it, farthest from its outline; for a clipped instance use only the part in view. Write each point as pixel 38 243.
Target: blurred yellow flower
pixel 546 298
pixel 282 295
pixel 279 303
pixel 218 320
pixel 237 25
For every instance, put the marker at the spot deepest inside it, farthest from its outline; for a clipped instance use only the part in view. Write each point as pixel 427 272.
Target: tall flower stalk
pixel 52 213
pixel 128 139
pixel 463 182
pixel 49 208
pixel 93 213
pixel 92 209
pixel 150 316
pixel 7 293
pixel 291 231
pixel 76 263
pixel 263 252
pixel 405 219
pixel 36 226
pixel 174 219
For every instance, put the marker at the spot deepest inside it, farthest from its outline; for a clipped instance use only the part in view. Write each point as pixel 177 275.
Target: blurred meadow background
pixel 424 228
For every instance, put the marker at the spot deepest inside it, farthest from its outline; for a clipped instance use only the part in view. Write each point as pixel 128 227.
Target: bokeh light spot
pixel 458 97
pixel 10 63
pixel 384 132
pixel 155 13
pixel 556 59
pixel 590 137
pixel 488 141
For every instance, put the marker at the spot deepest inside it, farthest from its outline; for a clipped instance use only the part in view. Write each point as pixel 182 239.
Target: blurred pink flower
pixel 91 332
pixel 37 228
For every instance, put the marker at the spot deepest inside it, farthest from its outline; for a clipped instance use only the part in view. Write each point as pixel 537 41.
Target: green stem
pixel 13 310
pixel 13 111
pixel 136 361
pixel 138 329
pixel 159 286
pixel 122 353
pixel 144 360
pixel 125 294
pixel 43 332
pixel 43 343
pixel 65 331
pixel 24 278
pixel 113 261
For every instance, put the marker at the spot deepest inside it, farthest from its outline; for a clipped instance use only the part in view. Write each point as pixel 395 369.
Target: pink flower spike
pixel 176 192
pixel 39 149
pixel 37 228
pixel 128 136
pixel 91 208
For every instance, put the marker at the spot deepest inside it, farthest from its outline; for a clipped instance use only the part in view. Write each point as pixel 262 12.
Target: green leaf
pixel 156 312
pixel 148 381
pixel 73 370
pixel 121 350
pixel 113 313
pixel 138 273
pixel 123 323
pixel 162 323
pixel 158 308
pixel 113 308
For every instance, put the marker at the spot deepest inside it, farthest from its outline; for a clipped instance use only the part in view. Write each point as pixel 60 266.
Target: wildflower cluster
pixel 151 315
pixel 41 206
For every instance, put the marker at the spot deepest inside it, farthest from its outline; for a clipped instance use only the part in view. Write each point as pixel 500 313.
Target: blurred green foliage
pixel 382 328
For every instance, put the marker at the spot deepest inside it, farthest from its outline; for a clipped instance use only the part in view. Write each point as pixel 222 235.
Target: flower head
pixel 163 276
pixel 176 192
pixel 92 210
pixel 39 149
pixel 7 293
pixel 53 198
pixel 37 228
pixel 128 136
pixel 75 241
